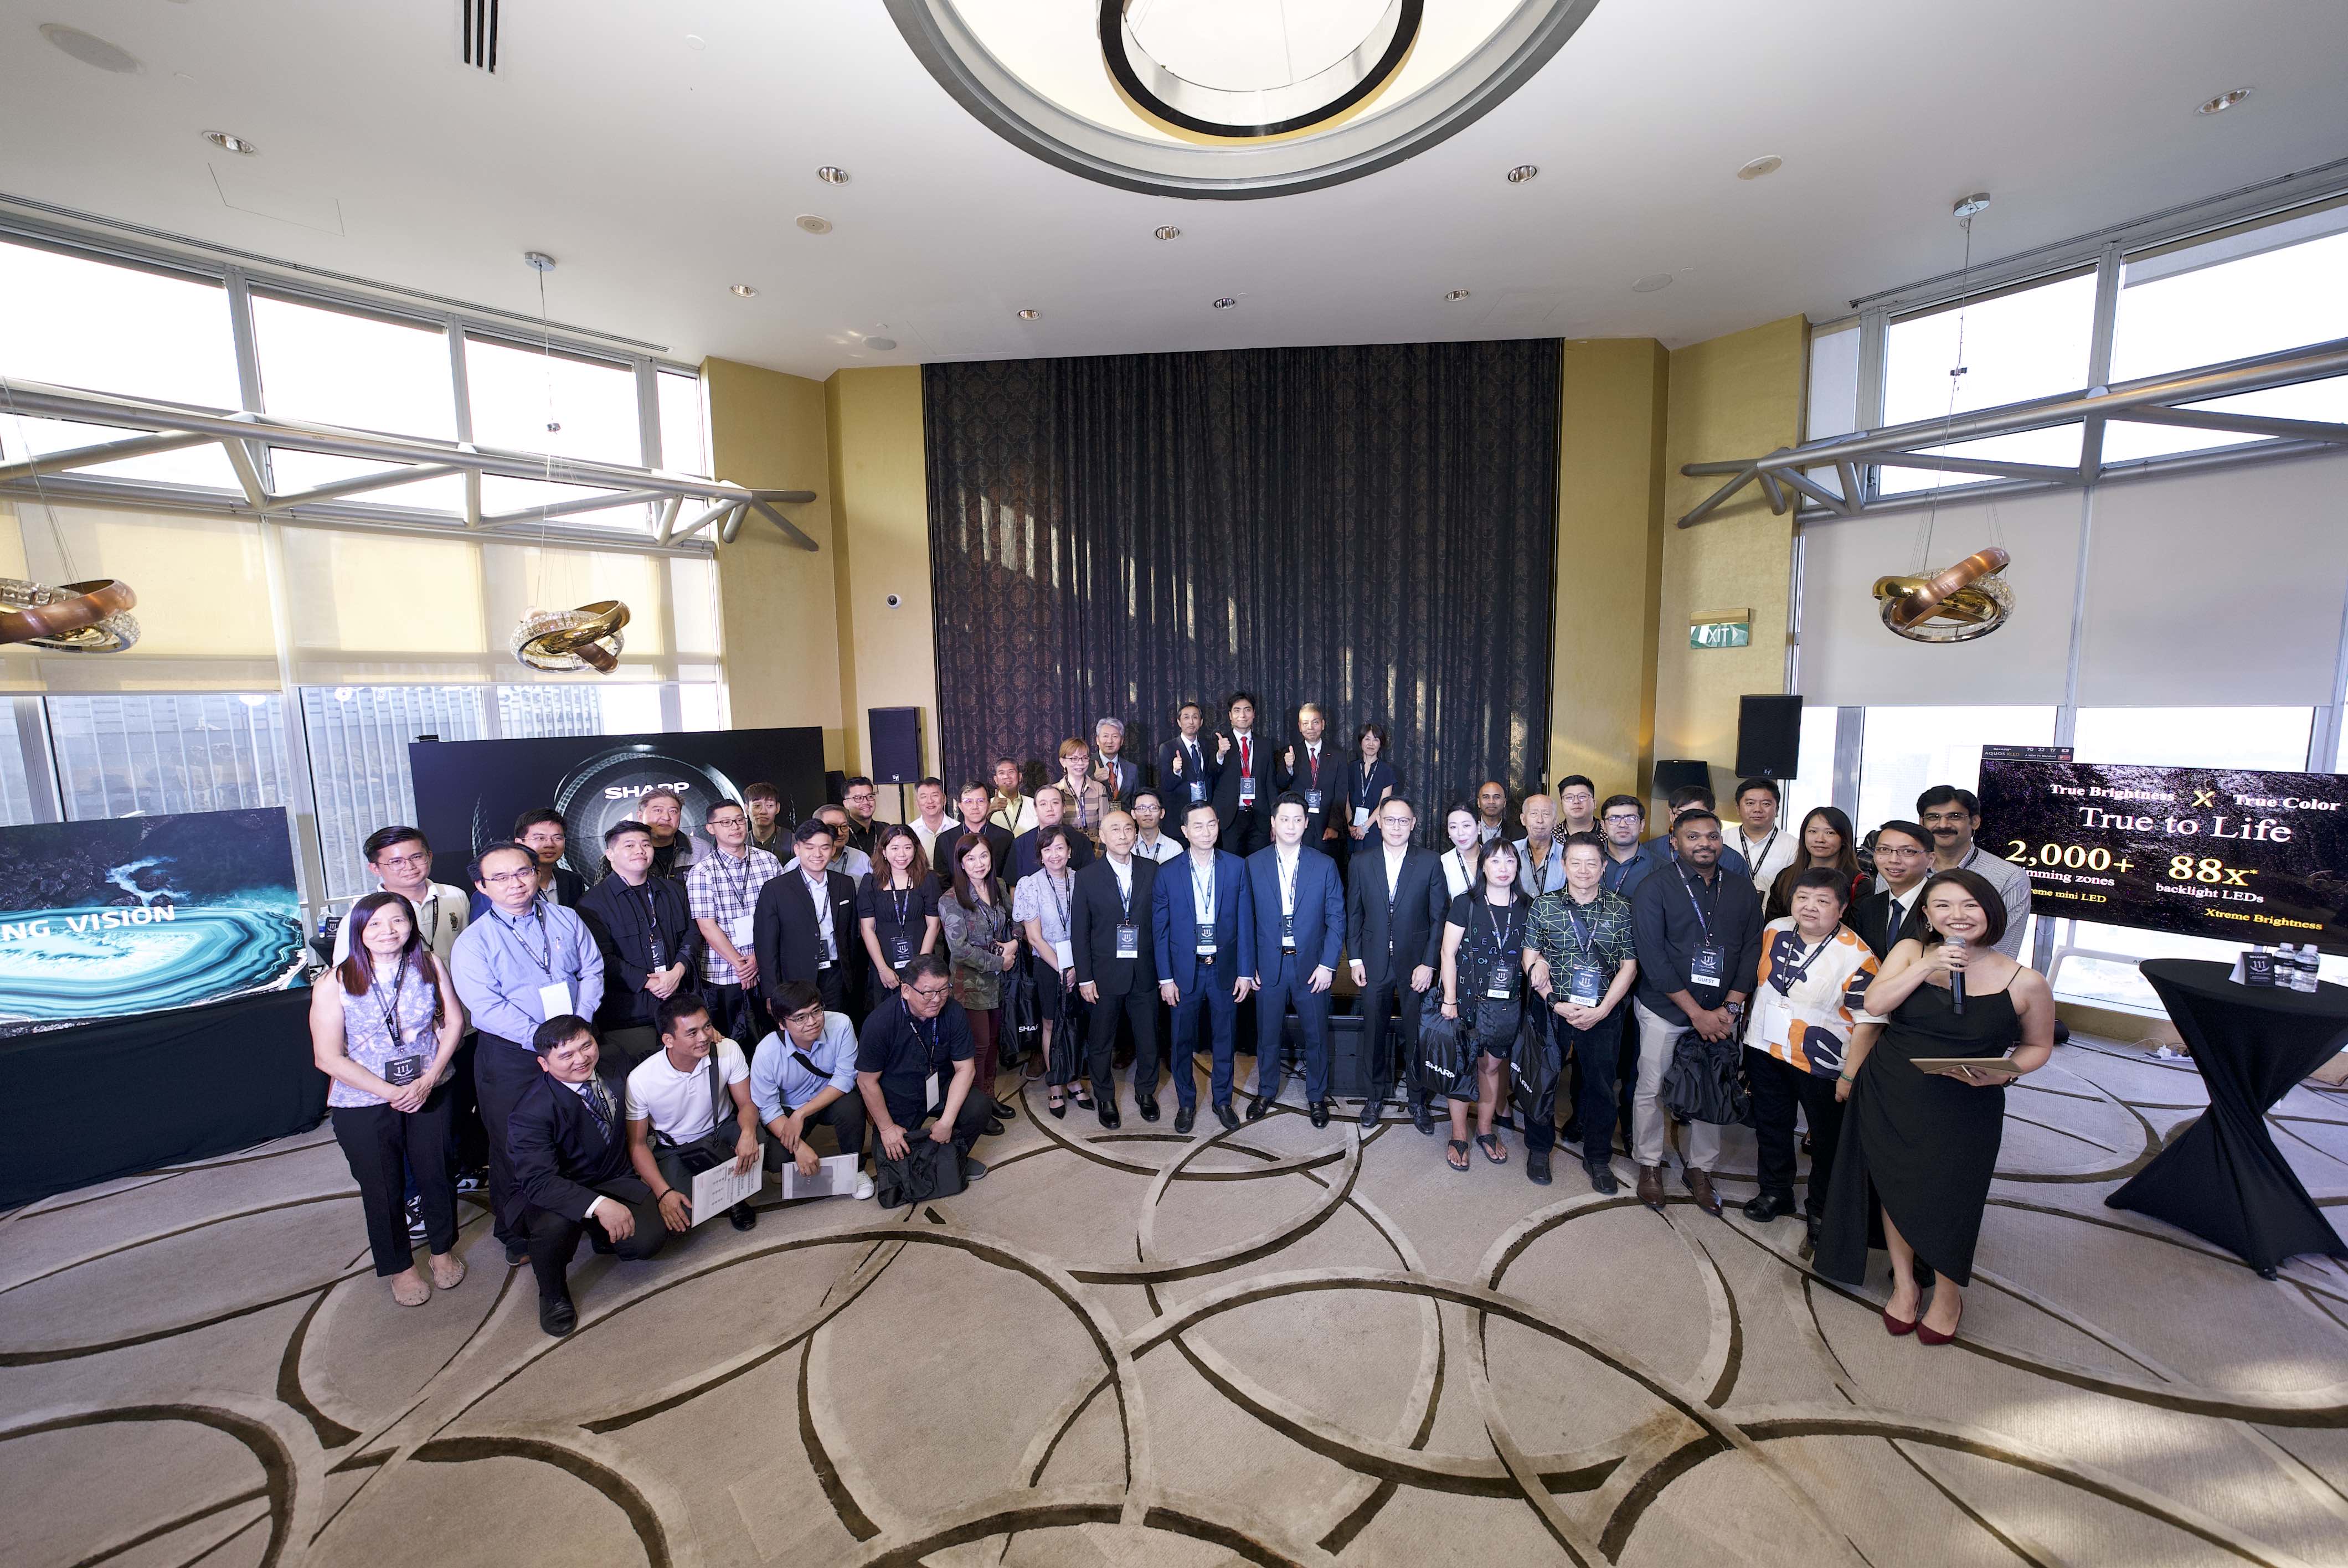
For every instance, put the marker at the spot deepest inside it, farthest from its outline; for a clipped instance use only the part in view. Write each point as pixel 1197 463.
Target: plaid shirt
pixel 724 889
pixel 1606 918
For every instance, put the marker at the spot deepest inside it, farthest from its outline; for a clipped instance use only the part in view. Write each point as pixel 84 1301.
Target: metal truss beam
pixel 57 476
pixel 2153 400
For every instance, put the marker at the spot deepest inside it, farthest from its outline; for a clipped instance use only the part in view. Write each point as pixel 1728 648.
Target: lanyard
pixel 427 913
pixel 1796 973
pixel 391 1013
pixel 1501 925
pixel 544 957
pixel 589 1095
pixel 1694 903
pixel 738 887
pixel 1584 941
pixel 1204 888
pixel 1769 843
pixel 1312 760
pixel 1059 897
pixel 901 899
pixel 651 922
pixel 1539 871
pixel 1247 756
pixel 1124 888
pixel 1287 885
pixel 929 1040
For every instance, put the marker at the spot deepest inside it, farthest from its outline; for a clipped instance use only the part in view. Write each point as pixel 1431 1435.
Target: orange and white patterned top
pixel 1808 997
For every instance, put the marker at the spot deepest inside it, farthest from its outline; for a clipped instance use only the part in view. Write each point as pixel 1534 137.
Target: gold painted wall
pixel 880 499
pixel 782 637
pixel 1731 396
pixel 1610 557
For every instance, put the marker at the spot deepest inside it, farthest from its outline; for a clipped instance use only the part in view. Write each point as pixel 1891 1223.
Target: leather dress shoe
pixel 1370 1109
pixel 1108 1116
pixel 557 1315
pixel 1260 1109
pixel 1004 1109
pixel 1536 1167
pixel 1422 1116
pixel 1572 1130
pixel 994 1127
pixel 1601 1177
pixel 516 1254
pixel 1699 1186
pixel 743 1217
pixel 1185 1118
pixel 1228 1117
pixel 1651 1187
pixel 1766 1206
pixel 1148 1106
pixel 1319 1113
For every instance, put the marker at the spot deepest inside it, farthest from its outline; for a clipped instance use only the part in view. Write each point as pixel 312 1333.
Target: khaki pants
pixel 1650 1127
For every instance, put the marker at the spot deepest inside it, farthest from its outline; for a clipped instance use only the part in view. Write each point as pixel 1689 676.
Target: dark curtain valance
pixel 1368 528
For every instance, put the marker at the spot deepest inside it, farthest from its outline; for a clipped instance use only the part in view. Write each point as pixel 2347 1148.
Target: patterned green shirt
pixel 1603 933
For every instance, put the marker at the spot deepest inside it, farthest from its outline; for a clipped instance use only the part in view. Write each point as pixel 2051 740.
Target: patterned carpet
pixel 1278 1346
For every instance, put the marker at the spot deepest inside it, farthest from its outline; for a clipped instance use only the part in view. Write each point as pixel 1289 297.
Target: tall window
pixel 144 755
pixel 1906 750
pixel 1815 784
pixel 308 354
pixel 529 400
pixel 685 439
pixel 358 738
pixel 2028 341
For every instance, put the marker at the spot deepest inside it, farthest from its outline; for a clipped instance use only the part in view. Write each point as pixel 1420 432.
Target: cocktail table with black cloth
pixel 2223 1179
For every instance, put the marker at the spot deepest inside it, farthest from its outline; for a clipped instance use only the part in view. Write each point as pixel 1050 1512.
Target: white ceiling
pixel 659 172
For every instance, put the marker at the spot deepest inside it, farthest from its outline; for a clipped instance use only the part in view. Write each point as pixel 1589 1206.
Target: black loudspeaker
pixel 1678 771
pixel 896 744
pixel 1768 736
pixel 835 786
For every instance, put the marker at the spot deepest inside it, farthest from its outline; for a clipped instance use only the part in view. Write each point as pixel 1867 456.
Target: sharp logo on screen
pixel 633 792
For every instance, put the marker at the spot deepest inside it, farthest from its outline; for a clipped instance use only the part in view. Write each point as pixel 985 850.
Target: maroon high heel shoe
pixel 1926 1334
pixel 1896 1327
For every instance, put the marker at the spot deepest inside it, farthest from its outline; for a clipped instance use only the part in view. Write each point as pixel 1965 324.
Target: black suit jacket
pixel 1093 913
pixel 1173 788
pixel 560 1155
pixel 624 927
pixel 1335 764
pixel 1389 943
pixel 998 838
pixel 1871 918
pixel 1265 753
pixel 785 928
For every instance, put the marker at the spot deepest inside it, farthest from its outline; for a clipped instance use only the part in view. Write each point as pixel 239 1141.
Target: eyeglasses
pixel 404 862
pixel 805 1016
pixel 529 873
pixel 929 993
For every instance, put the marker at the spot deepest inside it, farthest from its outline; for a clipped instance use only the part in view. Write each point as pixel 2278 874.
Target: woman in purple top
pixel 383 1026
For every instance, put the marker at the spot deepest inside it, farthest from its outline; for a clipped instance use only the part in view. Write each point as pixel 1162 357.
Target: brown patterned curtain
pixel 1368 528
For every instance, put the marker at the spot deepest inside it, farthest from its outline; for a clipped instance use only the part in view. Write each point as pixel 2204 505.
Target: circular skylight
pixel 1231 99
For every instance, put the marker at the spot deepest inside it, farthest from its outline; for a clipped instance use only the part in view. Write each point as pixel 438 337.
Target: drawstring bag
pixel 1445 1061
pixel 1023 1026
pixel 1702 1084
pixel 1538 1065
pixel 930 1170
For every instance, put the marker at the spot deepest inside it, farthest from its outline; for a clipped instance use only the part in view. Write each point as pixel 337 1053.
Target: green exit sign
pixel 1729 631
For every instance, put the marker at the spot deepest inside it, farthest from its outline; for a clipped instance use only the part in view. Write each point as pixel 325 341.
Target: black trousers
pixel 1778 1087
pixel 968 1126
pixel 469 1144
pixel 846 1118
pixel 385 1148
pixel 1285 987
pixel 740 1014
pixel 1245 832
pixel 502 1070
pixel 554 1237
pixel 1626 1069
pixel 1379 1003
pixel 1137 1006
pixel 680 1163
pixel 1597 1082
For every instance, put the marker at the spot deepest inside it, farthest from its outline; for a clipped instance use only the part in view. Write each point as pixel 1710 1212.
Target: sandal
pixel 409 1291
pixel 448 1271
pixel 1494 1150
pixel 1455 1154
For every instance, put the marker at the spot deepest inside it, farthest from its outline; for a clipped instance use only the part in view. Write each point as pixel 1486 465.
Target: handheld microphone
pixel 1957 980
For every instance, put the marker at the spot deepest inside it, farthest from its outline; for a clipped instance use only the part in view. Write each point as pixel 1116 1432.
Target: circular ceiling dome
pixel 1231 99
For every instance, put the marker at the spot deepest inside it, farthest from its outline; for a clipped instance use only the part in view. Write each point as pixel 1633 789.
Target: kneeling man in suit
pixel 569 1150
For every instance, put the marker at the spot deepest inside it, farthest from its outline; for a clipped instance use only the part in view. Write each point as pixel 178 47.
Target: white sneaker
pixel 863 1187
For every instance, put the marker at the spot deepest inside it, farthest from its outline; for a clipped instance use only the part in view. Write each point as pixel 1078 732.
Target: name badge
pixel 742 931
pixel 403 1069
pixel 1706 965
pixel 1206 938
pixel 1311 801
pixel 1065 953
pixel 553 1000
pixel 1503 983
pixel 1288 933
pixel 1361 816
pixel 1197 791
pixel 901 952
pixel 929 1093
pixel 1585 985
pixel 1247 792
pixel 823 951
pixel 1129 939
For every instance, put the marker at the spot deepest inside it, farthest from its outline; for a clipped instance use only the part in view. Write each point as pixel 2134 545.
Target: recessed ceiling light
pixel 91 50
pixel 881 344
pixel 1651 283
pixel 1226 303
pixel 1455 296
pixel 1769 163
pixel 1166 231
pixel 744 290
pixel 229 141
pixel 2218 105
pixel 1029 315
pixel 1523 172
pixel 813 224
pixel 832 174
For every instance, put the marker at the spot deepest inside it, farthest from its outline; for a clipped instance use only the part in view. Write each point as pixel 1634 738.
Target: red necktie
pixel 1247 768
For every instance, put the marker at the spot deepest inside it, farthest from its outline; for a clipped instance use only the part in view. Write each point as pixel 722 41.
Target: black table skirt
pixel 112 1099
pixel 2223 1178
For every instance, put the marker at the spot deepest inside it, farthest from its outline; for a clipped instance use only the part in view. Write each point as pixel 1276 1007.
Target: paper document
pixel 717 1189
pixel 834 1177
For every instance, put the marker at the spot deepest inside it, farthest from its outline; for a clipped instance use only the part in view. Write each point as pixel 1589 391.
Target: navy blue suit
pixel 1314 938
pixel 1202 981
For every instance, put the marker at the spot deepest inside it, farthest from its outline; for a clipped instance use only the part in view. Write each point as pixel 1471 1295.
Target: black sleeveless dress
pixel 1923 1146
